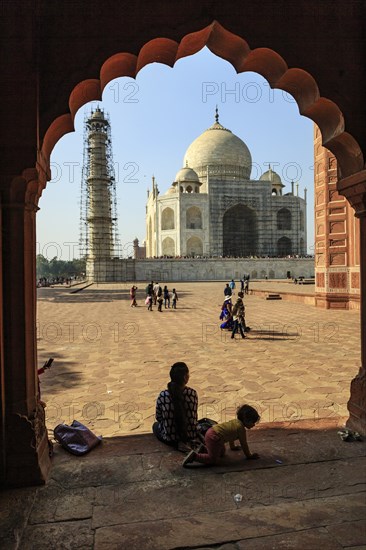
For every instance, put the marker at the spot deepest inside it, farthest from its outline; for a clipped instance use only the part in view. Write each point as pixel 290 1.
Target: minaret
pixel 98 197
pixel 136 248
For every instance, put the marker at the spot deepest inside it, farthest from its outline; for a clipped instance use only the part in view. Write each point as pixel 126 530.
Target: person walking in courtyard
pixel 166 295
pixel 232 286
pixel 159 297
pixel 241 285
pixel 238 313
pixel 227 432
pixel 149 296
pixel 176 410
pixel 133 296
pixel 149 302
pixel 226 315
pixel 174 299
pixel 155 295
pixel 246 286
pixel 149 288
pixel 227 290
pixel 227 304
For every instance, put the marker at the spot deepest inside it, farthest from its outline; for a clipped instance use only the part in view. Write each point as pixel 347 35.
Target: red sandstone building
pixel 337 236
pixel 57 56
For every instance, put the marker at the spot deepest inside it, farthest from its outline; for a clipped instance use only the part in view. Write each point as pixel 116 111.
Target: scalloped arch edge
pixel 234 49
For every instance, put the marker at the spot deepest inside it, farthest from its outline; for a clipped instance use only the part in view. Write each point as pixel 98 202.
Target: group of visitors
pixel 229 256
pixel 177 424
pixel 233 313
pixel 244 286
pixel 155 295
pixel 48 281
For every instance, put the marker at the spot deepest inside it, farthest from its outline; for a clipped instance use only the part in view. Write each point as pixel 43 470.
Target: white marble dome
pixel 218 146
pixel 186 174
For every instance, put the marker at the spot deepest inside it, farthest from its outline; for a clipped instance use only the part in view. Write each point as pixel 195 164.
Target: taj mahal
pixel 214 209
pixel 213 216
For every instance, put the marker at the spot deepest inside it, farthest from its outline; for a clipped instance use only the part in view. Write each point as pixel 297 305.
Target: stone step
pixel 274 297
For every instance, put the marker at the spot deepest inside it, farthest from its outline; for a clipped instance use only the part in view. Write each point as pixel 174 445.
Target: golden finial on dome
pixel 217 114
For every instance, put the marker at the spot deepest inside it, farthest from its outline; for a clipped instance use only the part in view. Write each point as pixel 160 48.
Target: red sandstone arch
pixel 266 62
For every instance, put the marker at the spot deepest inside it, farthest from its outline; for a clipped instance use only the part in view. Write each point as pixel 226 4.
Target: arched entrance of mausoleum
pixel 240 232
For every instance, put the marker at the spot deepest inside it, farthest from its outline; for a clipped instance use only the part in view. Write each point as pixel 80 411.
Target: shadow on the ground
pixel 92 294
pixel 64 295
pixel 279 444
pixel 305 491
pixel 272 335
pixel 268 335
pixel 62 374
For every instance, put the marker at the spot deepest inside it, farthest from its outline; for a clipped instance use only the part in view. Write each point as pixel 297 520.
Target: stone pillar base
pixel 357 404
pixel 337 301
pixel 27 460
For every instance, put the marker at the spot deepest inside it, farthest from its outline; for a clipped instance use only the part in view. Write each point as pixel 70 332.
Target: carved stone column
pixel 354 189
pixel 25 458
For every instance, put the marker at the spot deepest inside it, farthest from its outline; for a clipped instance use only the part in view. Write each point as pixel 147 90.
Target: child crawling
pixel 218 435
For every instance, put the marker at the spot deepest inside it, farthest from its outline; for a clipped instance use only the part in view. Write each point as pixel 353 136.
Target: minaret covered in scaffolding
pixel 98 202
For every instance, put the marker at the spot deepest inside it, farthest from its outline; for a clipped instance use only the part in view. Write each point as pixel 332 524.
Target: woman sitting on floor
pixel 176 410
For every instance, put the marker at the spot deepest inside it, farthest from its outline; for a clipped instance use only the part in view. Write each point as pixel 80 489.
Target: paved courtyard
pixel 112 360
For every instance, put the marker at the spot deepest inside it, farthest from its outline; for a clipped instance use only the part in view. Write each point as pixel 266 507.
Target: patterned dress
pixel 165 414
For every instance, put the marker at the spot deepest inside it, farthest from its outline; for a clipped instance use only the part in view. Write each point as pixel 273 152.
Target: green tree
pixel 42 266
pixel 59 268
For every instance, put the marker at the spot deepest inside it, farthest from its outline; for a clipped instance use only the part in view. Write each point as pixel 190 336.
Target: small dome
pixel 97 120
pixel 172 190
pixel 271 176
pixel 186 174
pixel 97 114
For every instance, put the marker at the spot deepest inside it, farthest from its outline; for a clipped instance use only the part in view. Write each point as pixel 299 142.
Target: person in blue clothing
pixel 225 314
pixel 232 285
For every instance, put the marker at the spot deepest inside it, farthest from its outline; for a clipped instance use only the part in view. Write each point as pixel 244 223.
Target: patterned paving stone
pixel 111 361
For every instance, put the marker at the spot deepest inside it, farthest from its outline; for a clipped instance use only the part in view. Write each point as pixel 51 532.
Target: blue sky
pixel 154 119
